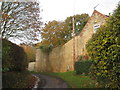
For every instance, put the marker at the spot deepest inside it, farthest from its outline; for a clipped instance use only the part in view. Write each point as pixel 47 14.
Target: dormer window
pixel 96 26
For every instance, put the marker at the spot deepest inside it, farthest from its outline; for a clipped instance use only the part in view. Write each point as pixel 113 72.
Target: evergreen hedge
pixel 13 57
pixel 104 49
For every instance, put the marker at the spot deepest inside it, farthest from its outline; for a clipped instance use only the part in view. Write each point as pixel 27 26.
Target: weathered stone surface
pixel 61 59
pixel 31 66
pixel 41 61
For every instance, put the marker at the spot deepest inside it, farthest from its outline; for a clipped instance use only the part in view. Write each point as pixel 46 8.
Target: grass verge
pixel 75 81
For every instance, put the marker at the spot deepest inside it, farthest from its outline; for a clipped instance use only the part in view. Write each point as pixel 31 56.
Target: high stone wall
pixel 61 59
pixel 41 61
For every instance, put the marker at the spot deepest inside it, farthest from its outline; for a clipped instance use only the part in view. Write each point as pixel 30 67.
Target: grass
pixel 75 81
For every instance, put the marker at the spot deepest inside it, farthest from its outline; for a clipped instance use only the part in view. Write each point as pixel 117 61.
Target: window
pixel 96 26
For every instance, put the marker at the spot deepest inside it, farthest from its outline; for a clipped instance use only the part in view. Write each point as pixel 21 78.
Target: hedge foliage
pixel 83 67
pixel 30 52
pixel 17 80
pixel 13 57
pixel 104 49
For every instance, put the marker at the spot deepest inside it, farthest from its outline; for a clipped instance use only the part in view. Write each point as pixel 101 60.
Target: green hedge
pixel 6 57
pixel 104 49
pixel 83 67
pixel 13 57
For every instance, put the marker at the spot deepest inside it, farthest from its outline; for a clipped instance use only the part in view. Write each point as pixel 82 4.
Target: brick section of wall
pixel 61 59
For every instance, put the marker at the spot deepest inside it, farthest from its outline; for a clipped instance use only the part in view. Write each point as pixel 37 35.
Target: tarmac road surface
pixel 50 82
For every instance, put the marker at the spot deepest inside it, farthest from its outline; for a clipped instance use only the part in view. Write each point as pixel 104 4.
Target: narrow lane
pixel 50 82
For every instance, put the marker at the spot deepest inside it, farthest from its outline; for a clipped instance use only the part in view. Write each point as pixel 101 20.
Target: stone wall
pixel 61 59
pixel 41 61
pixel 31 66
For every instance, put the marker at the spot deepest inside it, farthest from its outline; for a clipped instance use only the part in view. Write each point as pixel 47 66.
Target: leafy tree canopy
pixel 57 33
pixel 54 33
pixel 80 21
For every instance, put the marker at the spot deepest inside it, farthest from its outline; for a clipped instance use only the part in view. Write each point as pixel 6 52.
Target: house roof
pixel 95 11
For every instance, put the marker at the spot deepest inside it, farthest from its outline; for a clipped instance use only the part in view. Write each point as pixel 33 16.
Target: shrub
pixel 104 49
pixel 6 58
pixel 30 52
pixel 83 66
pixel 19 58
pixel 46 48
pixel 13 57
pixel 17 80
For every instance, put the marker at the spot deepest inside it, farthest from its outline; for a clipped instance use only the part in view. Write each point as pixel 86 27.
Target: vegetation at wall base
pixel 104 49
pixel 83 67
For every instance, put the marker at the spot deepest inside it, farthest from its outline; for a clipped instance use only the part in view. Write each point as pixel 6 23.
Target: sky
pixel 60 9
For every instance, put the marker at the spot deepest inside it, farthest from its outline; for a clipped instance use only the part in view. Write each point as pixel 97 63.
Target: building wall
pixel 61 59
pixel 31 66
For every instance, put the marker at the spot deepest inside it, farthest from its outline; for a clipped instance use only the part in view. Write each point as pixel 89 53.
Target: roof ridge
pixel 95 11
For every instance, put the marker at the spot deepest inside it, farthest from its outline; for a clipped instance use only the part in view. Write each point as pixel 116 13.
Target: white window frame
pixel 95 27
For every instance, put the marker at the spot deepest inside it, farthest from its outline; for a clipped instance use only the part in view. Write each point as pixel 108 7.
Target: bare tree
pixel 20 20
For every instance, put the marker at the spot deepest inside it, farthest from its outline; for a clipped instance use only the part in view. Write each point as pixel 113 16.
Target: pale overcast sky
pixel 60 9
